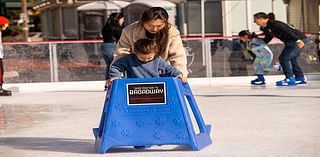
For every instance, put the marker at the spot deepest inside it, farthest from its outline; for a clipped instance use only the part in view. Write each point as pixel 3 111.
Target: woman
pixel 111 33
pixel 154 25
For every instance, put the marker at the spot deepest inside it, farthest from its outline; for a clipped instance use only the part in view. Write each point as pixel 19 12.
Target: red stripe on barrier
pixel 51 41
pixel 100 40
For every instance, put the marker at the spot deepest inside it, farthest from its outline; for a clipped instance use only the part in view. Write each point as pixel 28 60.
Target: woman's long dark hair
pixel 112 29
pixel 161 38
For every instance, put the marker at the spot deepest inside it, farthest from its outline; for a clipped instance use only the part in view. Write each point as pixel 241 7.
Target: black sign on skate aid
pixel 150 111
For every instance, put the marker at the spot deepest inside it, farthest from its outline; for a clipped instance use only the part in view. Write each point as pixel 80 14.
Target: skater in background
pixel 263 55
pixel 4 24
pixel 154 25
pixel 111 33
pixel 294 41
pixel 144 63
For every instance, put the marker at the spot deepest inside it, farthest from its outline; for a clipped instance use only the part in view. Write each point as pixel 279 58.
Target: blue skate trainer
pixel 301 80
pixel 291 81
pixel 259 81
pixel 142 112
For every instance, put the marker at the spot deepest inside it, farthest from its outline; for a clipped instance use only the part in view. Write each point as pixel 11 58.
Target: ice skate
pixel 291 81
pixel 301 80
pixel 259 81
pixel 4 92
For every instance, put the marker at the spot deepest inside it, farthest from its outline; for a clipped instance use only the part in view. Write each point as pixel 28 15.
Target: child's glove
pixel 249 48
pixel 300 43
pixel 111 79
pixel 183 78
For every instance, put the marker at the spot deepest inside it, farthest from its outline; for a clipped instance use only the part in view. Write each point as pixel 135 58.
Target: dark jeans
pixel 289 60
pixel 107 50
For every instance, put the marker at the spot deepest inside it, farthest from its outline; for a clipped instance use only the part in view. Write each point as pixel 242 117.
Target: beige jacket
pixel 174 54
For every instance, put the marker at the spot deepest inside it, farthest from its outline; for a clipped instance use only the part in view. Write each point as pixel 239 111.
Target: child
pixel 4 24
pixel 143 63
pixel 263 54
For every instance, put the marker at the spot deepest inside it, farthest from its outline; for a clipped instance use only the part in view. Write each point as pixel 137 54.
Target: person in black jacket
pixel 111 33
pixel 294 41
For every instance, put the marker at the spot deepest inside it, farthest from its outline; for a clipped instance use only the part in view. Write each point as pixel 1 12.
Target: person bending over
pixel 294 41
pixel 143 63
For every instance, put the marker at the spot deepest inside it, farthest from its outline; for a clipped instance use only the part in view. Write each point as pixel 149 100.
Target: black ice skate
pixel 4 92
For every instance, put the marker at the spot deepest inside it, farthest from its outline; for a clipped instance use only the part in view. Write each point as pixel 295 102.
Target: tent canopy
pixel 158 3
pixel 103 5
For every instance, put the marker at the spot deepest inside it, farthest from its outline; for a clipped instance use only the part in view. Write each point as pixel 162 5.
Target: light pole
pixel 273 4
pixel 24 17
pixel 249 14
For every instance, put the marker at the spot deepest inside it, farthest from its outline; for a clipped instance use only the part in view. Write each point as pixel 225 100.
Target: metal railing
pixel 54 61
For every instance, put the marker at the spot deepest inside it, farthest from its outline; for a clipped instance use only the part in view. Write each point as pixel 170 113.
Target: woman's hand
pixel 183 78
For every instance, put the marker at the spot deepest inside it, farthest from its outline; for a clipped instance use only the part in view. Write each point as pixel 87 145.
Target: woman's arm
pixel 123 47
pixel 177 55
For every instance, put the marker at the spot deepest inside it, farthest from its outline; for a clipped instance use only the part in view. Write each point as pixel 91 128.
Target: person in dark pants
pixel 4 24
pixel 294 41
pixel 111 33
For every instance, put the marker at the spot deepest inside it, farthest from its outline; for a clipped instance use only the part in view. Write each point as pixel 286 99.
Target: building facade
pixel 60 19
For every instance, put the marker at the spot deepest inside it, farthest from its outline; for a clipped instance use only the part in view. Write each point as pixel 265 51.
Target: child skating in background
pixel 144 63
pixel 263 54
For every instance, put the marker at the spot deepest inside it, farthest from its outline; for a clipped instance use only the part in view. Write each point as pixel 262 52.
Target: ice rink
pixel 56 120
